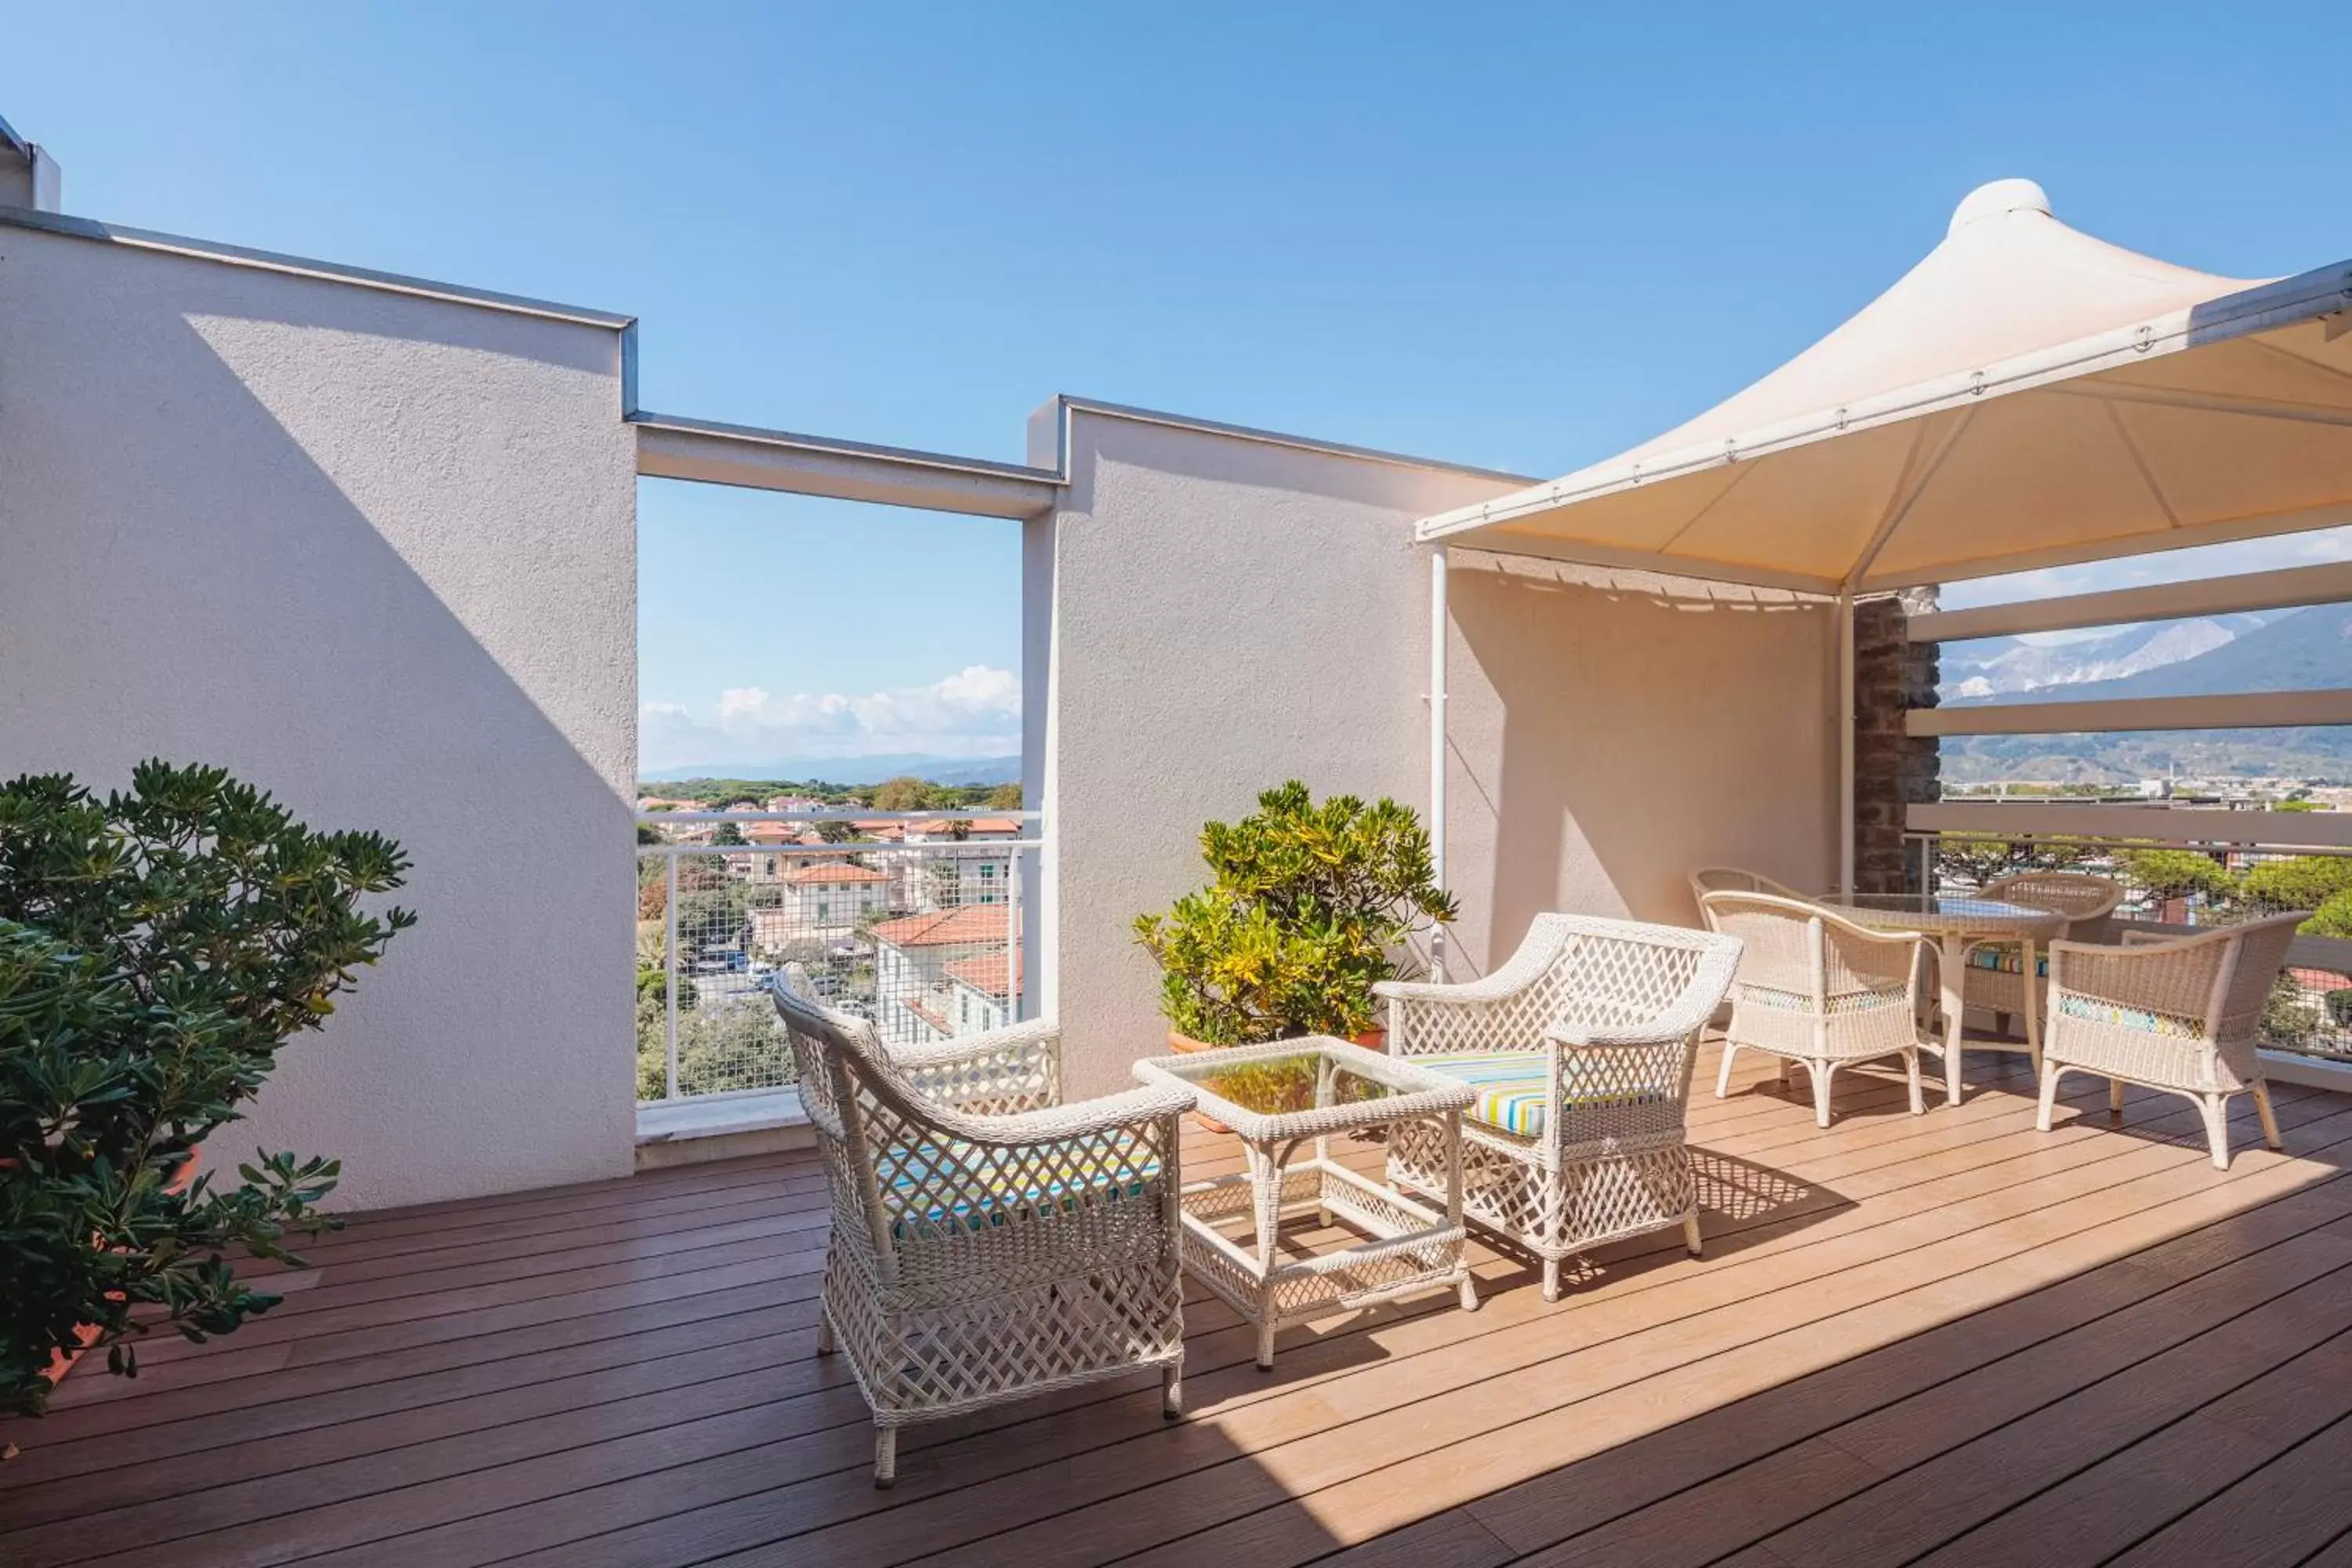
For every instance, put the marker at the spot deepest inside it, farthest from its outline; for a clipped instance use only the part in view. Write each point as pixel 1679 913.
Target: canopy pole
pixel 1845 740
pixel 1437 638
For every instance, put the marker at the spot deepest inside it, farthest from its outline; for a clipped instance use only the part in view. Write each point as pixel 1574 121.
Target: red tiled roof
pixel 984 973
pixel 928 1014
pixel 831 871
pixel 943 829
pixel 946 928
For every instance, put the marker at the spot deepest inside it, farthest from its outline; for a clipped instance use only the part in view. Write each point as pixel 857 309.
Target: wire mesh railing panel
pixel 912 922
pixel 2183 884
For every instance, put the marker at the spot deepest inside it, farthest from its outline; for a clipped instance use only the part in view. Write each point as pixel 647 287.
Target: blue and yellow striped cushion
pixel 2007 960
pixel 1010 1195
pixel 1510 1086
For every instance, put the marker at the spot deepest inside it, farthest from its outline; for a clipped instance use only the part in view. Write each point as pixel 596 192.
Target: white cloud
pixel 975 712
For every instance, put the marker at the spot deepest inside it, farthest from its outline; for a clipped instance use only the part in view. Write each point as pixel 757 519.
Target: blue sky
pixel 1519 238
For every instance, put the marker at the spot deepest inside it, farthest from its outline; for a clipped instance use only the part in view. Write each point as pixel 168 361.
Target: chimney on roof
pixel 28 176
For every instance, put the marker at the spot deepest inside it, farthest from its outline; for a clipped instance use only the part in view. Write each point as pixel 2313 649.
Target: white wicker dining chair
pixel 1732 880
pixel 1581 1050
pixel 1994 978
pixel 1820 991
pixel 988 1242
pixel 2182 1015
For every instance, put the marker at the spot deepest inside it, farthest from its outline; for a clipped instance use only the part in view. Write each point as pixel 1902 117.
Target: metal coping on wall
pixel 1068 405
pixel 9 138
pixel 834 446
pixel 304 266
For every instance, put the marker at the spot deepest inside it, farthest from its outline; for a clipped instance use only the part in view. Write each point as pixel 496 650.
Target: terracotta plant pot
pixel 85 1334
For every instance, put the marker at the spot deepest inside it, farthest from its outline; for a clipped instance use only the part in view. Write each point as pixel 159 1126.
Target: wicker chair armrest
pixel 997 1070
pixel 1626 1037
pixel 1499 986
pixel 2146 938
pixel 1133 1109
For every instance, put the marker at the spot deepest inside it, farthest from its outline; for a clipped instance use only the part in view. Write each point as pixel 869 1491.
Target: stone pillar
pixel 1891 769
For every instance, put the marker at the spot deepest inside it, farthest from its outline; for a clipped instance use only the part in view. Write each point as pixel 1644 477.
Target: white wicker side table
pixel 1288 1093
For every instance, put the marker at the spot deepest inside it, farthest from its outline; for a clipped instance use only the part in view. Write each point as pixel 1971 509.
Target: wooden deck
pixel 1946 1339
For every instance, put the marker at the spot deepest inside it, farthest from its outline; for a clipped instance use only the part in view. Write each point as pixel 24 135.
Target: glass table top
pixel 1305 1080
pixel 1941 909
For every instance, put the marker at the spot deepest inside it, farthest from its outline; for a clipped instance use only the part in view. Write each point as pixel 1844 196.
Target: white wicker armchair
pixel 1581 1050
pixel 1995 976
pixel 2178 1013
pixel 1820 991
pixel 987 1243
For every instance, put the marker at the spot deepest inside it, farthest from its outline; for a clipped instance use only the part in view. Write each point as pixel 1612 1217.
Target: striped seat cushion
pixel 2008 961
pixel 1001 1196
pixel 2091 1010
pixel 1511 1087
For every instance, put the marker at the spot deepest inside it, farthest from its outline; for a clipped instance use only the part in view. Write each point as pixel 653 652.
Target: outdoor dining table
pixel 1957 921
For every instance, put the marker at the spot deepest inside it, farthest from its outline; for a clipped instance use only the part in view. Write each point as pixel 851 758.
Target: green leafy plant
pixel 1305 914
pixel 157 948
pixel 2165 875
pixel 2301 882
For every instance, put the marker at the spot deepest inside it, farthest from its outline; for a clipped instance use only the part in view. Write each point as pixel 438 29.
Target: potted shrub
pixel 157 948
pixel 1308 908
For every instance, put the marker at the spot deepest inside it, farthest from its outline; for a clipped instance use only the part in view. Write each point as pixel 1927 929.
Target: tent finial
pixel 1996 197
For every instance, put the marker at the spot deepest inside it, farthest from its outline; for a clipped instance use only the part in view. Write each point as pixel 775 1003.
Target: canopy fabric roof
pixel 2027 395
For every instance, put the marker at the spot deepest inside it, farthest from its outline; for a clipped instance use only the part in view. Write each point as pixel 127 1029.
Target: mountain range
pixel 855 770
pixel 2294 650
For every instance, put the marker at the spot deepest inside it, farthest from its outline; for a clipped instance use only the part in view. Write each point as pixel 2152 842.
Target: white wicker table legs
pixel 1952 976
pixel 1410 1247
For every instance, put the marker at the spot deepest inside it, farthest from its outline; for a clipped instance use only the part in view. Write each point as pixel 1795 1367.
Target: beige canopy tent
pixel 2025 396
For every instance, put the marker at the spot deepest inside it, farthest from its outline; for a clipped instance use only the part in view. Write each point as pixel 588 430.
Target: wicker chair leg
pixel 2051 1073
pixel 2115 1097
pixel 1691 1236
pixel 2261 1093
pixel 2000 1023
pixel 1171 1392
pixel 886 1457
pixel 2216 1111
pixel 1552 1279
pixel 1469 1294
pixel 1265 1340
pixel 1723 1077
pixel 1821 1072
pixel 826 1344
pixel 1911 1073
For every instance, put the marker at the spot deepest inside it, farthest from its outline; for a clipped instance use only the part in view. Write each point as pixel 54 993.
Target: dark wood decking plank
pixel 2098 1511
pixel 1935 1464
pixel 1312 1484
pixel 919 1435
pixel 1567 1501
pixel 1238 1351
pixel 2283 1512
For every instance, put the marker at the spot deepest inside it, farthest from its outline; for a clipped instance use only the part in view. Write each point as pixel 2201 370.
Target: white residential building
pixel 913 959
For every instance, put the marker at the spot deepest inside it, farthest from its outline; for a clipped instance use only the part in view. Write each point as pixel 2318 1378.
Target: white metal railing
pixel 2190 871
pixel 914 920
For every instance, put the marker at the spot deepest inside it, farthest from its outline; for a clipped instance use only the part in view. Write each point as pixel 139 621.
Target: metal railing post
pixel 1012 1012
pixel 670 982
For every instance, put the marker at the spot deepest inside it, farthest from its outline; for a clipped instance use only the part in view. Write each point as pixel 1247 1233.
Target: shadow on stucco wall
pixel 1613 731
pixel 375 554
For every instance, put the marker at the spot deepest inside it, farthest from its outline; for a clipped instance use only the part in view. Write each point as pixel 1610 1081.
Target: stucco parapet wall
pixel 624 327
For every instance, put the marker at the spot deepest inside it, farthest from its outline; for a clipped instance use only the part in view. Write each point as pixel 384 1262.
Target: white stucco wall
pixel 376 553
pixel 1208 614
